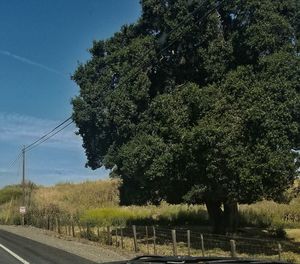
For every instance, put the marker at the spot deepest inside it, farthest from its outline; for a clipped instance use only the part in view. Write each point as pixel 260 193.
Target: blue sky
pixel 41 43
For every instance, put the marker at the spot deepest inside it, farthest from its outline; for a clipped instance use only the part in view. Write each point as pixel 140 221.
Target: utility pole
pixel 23 175
pixel 23 183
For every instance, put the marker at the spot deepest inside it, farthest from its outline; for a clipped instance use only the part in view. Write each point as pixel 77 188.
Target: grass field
pixel 96 204
pixel 78 197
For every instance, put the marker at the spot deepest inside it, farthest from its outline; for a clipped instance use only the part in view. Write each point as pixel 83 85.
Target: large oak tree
pixel 197 102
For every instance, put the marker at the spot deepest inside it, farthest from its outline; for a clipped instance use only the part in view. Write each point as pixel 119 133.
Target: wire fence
pixel 157 240
pixel 164 241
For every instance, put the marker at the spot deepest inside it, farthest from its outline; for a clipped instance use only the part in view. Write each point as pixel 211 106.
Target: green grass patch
pixel 164 214
pixel 10 192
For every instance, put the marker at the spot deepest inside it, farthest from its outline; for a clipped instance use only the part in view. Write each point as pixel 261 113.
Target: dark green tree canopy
pixel 197 101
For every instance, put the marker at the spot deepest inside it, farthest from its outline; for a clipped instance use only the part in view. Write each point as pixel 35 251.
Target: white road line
pixel 14 254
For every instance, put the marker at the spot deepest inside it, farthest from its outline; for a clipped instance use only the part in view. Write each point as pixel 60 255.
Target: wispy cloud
pixel 66 175
pixel 30 62
pixel 16 129
pixel 57 160
pixel 40 171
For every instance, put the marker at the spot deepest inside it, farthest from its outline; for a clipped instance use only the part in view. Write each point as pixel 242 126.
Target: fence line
pixel 165 241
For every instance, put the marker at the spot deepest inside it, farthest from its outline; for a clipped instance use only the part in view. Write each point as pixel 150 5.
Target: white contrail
pixel 25 60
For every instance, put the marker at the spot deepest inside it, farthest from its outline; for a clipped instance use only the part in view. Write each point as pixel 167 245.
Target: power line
pixel 14 161
pixel 50 132
pixel 139 64
pixel 42 139
pixel 53 132
pixel 184 21
pixel 47 138
pixel 189 17
pixel 19 168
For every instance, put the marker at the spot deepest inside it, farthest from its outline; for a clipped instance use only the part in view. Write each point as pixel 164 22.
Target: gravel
pixel 83 248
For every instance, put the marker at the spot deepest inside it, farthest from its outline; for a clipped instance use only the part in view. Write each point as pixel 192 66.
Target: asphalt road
pixel 7 258
pixel 33 252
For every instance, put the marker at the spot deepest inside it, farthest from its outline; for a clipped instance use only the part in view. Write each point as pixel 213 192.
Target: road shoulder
pixel 83 248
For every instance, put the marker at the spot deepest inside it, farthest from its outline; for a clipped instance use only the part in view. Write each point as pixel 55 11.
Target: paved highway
pixel 17 250
pixel 7 258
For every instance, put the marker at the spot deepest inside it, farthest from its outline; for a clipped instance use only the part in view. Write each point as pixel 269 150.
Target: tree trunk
pixel 216 216
pixel 223 221
pixel 231 216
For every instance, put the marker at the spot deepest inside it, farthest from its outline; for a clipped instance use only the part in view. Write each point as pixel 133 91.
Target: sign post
pixel 23 212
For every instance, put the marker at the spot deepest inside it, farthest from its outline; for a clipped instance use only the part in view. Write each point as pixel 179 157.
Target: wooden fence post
pixel 87 231
pixel 59 226
pixel 98 233
pixel 73 229
pixel 108 236
pixel 202 245
pixel 147 243
pixel 80 230
pixel 48 222
pixel 233 248
pixel 44 222
pixel 174 242
pixel 134 238
pixel 154 241
pixel 122 242
pixel 37 222
pixel 56 224
pixel 279 251
pixel 51 223
pixel 189 242
pixel 117 240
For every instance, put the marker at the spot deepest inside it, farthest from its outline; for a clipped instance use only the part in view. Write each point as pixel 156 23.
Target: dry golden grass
pixel 293 234
pixel 8 210
pixel 97 203
pixel 72 198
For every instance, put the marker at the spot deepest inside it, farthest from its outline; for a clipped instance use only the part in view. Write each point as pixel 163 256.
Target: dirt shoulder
pixel 82 248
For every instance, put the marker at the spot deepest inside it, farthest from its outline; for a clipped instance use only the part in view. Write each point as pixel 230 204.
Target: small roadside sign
pixel 22 209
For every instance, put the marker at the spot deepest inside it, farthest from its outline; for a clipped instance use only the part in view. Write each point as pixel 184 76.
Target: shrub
pixel 277 230
pixel 10 192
